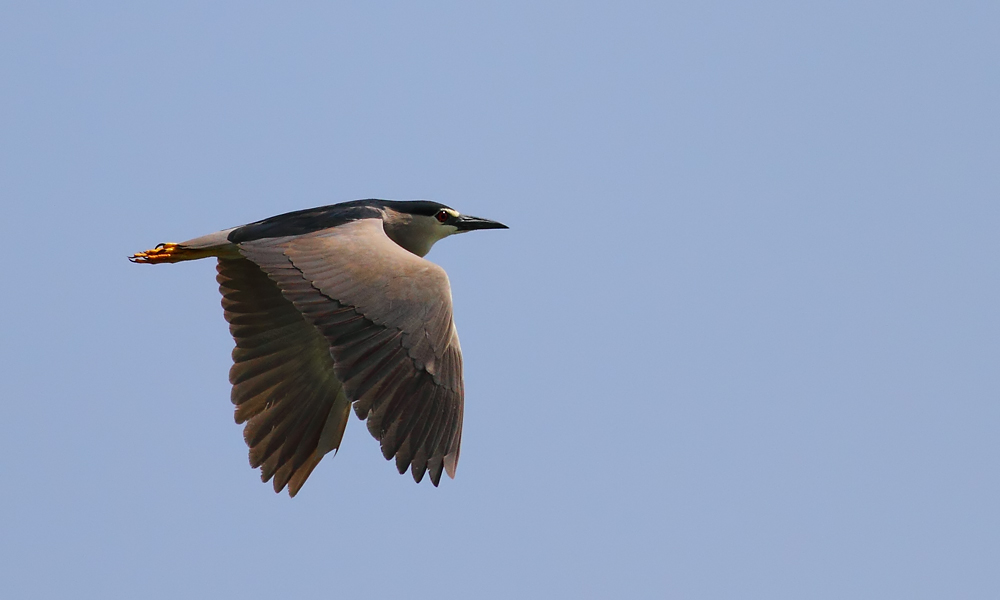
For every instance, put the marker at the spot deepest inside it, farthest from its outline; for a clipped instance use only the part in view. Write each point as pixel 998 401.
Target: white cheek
pixel 445 230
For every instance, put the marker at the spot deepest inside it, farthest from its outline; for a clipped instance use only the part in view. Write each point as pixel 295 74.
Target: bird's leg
pixel 162 253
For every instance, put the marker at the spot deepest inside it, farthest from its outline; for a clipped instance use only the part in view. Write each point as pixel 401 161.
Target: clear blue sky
pixel 741 340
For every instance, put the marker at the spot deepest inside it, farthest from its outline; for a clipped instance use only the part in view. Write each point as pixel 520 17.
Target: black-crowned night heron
pixel 335 306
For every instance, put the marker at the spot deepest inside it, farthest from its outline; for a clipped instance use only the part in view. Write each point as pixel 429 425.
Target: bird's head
pixel 417 225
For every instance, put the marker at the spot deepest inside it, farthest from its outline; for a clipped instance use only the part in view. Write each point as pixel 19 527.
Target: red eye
pixel 442 216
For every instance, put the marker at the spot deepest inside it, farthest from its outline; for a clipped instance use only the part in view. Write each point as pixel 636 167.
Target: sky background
pixel 740 341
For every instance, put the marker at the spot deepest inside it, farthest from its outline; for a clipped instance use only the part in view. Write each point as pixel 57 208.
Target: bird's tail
pixel 169 253
pixel 213 244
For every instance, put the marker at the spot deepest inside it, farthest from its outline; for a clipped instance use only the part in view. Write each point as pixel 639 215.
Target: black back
pixel 301 222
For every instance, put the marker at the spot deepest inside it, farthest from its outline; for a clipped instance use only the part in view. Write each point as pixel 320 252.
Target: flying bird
pixel 334 307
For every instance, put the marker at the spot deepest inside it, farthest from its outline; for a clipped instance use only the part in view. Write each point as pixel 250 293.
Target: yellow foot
pixel 163 253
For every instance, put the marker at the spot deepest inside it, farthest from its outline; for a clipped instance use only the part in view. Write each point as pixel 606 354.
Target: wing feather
pixel 284 386
pixel 385 315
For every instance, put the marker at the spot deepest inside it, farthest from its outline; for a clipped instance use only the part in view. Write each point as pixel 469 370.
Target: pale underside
pixel 333 318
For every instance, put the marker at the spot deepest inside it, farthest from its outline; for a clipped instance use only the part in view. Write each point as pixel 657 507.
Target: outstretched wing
pixel 386 315
pixel 284 387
